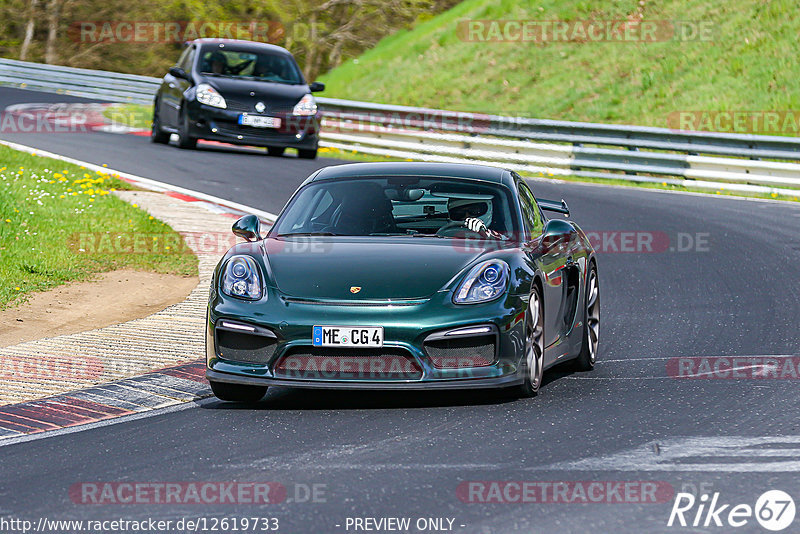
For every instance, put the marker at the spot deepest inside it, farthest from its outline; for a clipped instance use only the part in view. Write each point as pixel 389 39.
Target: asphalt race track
pixel 721 280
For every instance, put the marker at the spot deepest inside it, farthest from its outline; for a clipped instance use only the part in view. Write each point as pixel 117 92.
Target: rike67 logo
pixel 774 510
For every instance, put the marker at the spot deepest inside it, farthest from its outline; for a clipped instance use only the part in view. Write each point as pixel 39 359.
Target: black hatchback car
pixel 239 92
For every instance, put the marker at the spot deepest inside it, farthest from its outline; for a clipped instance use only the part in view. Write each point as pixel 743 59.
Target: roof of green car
pixel 414 168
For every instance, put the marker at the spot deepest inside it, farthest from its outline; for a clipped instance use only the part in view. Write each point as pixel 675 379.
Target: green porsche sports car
pixel 403 276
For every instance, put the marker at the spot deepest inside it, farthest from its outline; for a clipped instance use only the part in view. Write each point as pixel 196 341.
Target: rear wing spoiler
pixel 553 205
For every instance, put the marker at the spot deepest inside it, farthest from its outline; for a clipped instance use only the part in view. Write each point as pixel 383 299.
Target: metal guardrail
pixel 636 153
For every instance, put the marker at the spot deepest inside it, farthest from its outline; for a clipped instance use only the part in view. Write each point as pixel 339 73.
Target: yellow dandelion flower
pixel 61 196
pixel 136 205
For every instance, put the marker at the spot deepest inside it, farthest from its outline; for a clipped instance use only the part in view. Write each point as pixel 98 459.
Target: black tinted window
pixel 396 206
pixel 263 66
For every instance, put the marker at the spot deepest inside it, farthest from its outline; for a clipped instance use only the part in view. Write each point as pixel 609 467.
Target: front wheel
pixel 157 135
pixel 533 361
pixel 184 139
pixel 275 151
pixel 238 392
pixel 303 153
pixel 591 327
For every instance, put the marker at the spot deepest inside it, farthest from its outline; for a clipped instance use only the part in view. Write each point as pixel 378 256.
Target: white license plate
pixel 347 336
pixel 258 121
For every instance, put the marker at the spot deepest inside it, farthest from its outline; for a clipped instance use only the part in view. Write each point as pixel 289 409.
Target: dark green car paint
pixel 407 288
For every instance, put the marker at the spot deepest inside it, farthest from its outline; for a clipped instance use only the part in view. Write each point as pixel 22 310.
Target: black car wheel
pixel 157 135
pixel 310 153
pixel 184 139
pixel 275 150
pixel 591 323
pixel 533 360
pixel 237 392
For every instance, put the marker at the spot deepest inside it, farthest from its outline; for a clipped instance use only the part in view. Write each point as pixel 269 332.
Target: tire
pixel 185 140
pixel 275 151
pixel 591 322
pixel 238 392
pixel 303 153
pixel 533 358
pixel 157 135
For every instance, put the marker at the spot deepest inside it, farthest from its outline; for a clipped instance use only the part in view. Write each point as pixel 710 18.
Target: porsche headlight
pixel 209 96
pixel 484 282
pixel 306 106
pixel 241 279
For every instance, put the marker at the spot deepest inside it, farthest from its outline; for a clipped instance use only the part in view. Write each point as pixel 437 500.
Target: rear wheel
pixel 303 153
pixel 184 139
pixel 157 135
pixel 238 392
pixel 533 361
pixel 275 150
pixel 591 326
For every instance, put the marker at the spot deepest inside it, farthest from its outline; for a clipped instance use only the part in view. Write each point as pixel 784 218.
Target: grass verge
pixel 47 207
pixel 741 61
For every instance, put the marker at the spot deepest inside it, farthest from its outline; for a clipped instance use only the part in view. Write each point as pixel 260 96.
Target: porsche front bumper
pixel 428 344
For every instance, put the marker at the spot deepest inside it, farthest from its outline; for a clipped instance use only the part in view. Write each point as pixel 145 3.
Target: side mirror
pixel 316 87
pixel 178 73
pixel 556 233
pixel 553 205
pixel 247 227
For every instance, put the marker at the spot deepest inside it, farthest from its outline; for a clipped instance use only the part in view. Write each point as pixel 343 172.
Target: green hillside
pixel 747 60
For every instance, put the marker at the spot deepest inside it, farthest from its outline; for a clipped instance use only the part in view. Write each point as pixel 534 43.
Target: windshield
pixel 262 66
pixel 403 206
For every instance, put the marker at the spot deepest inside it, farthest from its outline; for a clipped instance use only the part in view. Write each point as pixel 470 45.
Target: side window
pixel 185 62
pixel 530 211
